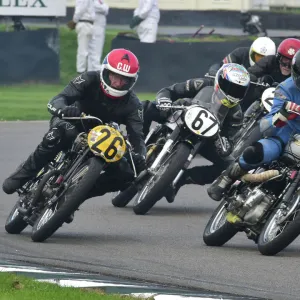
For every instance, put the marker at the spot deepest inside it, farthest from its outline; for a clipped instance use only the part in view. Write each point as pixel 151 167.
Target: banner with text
pixel 37 8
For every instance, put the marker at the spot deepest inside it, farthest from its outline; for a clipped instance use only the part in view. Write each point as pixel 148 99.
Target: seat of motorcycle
pixel 204 96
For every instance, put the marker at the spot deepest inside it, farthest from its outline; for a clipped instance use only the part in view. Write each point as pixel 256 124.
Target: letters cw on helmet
pixel 123 67
pixel 122 62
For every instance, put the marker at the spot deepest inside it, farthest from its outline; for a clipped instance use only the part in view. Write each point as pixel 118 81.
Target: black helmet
pixel 296 69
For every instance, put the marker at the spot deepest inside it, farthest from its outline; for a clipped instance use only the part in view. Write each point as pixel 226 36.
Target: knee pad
pixel 52 138
pixel 69 132
pixel 254 154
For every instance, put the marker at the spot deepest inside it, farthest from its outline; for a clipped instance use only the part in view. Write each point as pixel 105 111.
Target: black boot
pixel 172 191
pixel 28 170
pixel 219 186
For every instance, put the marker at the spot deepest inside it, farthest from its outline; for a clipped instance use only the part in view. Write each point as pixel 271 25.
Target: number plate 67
pixel 107 142
pixel 201 122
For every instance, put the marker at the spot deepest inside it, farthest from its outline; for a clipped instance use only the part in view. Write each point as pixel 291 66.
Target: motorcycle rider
pixel 107 95
pixel 279 125
pixel 248 56
pixel 272 69
pixel 261 47
pixel 228 91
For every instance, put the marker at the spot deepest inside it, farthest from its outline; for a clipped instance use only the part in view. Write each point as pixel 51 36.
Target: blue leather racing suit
pixel 276 138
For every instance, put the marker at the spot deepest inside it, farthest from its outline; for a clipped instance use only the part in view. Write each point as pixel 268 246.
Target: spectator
pixel 97 42
pixel 146 18
pixel 83 23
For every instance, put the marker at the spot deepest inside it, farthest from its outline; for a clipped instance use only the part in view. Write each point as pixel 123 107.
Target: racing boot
pixel 28 169
pixel 172 191
pixel 219 186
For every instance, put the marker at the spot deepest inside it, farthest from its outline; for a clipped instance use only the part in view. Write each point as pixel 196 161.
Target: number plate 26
pixel 201 122
pixel 107 142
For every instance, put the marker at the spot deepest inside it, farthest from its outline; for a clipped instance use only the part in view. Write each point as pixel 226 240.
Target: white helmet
pixel 263 46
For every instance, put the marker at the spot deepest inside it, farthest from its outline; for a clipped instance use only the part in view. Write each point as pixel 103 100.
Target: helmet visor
pixel 234 92
pixel 117 81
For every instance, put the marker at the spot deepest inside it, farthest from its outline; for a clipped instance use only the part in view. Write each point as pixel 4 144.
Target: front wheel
pixel 54 216
pixel 281 229
pixel 155 187
pixel 218 230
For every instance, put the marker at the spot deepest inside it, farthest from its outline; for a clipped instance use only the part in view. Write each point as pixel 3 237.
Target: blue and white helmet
pixel 232 81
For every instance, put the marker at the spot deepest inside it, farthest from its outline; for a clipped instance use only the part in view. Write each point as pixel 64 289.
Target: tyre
pixel 124 197
pixel 218 230
pixel 279 231
pixel 53 217
pixel 250 137
pixel 155 187
pixel 14 223
pixel 121 199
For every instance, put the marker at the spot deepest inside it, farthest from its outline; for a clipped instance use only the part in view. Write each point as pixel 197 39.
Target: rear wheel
pixel 281 229
pixel 15 223
pixel 121 199
pixel 55 215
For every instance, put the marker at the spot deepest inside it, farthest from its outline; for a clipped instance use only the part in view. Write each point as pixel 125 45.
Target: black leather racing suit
pixel 85 93
pixel 232 123
pixel 238 56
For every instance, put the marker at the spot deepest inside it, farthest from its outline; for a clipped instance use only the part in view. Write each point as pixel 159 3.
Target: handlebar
pixel 252 82
pixel 173 106
pixel 83 116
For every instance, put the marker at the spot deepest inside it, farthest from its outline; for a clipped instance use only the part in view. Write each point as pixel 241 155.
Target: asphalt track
pixel 165 246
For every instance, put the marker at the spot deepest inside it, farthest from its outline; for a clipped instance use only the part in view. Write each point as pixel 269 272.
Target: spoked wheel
pixel 155 188
pixel 54 215
pixel 281 229
pixel 218 230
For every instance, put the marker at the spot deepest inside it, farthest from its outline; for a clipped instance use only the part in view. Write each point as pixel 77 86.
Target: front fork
pixel 162 154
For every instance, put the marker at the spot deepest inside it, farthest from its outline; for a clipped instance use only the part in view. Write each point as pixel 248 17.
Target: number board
pixel 201 122
pixel 267 98
pixel 107 142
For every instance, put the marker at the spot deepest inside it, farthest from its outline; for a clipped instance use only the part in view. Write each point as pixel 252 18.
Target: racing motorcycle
pixel 264 204
pixel 191 127
pixel 24 212
pixel 154 142
pixel 250 131
pixel 64 188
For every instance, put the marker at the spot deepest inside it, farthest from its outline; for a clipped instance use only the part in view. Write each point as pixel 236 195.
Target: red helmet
pixel 288 48
pixel 124 63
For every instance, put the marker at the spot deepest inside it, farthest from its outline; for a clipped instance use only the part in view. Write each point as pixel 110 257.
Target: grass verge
pixel 15 287
pixel 29 102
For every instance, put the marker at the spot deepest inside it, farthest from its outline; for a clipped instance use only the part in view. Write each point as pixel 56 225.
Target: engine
pixel 251 207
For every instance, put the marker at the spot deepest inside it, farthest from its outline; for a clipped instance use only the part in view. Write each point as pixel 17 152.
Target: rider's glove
pixel 227 145
pixel 139 162
pixel 69 111
pixel 292 106
pixel 284 114
pixel 164 101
